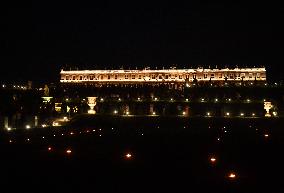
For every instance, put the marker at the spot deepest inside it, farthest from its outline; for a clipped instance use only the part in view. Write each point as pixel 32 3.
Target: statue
pixel 46 91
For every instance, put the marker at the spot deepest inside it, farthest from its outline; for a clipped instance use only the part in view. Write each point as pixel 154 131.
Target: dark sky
pixel 38 38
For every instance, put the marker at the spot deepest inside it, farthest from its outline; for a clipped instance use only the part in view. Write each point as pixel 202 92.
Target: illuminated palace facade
pixel 165 76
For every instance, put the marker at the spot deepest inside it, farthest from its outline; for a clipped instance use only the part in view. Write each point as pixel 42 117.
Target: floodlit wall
pixel 169 75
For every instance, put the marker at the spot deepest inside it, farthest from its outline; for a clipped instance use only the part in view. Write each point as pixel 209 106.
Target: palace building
pixel 179 76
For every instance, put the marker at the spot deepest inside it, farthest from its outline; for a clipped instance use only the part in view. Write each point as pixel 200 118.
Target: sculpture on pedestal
pixel 267 107
pixel 92 103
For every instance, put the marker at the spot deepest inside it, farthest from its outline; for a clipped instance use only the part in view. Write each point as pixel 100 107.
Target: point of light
pixel 208 113
pixel 71 133
pixel 28 126
pixel 183 112
pixel 49 148
pixel 43 125
pixel 10 141
pixel 127 113
pixel 228 114
pixel 253 114
pixel 172 99
pixel 232 175
pixel 154 113
pixel 115 111
pixel 266 135
pixel 156 99
pixel 186 100
pixel 9 129
pixel 242 114
pixel 213 159
pixel 128 155
pixel 68 151
pixel 102 99
pixel 138 98
pixel 216 100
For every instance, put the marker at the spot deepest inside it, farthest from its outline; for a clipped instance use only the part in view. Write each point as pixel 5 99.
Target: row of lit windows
pixel 166 76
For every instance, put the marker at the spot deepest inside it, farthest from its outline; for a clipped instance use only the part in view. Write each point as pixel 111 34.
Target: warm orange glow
pixel 213 159
pixel 71 133
pixel 68 151
pixel 49 148
pixel 128 155
pixel 232 175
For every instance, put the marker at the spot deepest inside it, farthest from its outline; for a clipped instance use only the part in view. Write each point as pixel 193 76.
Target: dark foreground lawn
pixel 167 155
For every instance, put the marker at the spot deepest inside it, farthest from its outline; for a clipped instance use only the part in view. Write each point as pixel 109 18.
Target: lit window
pixel 250 75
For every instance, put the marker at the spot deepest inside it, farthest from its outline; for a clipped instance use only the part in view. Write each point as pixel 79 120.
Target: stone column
pixel 6 122
pixel 36 121
pixel 151 109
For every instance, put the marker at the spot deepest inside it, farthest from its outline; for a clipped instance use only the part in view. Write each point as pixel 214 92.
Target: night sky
pixel 39 38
